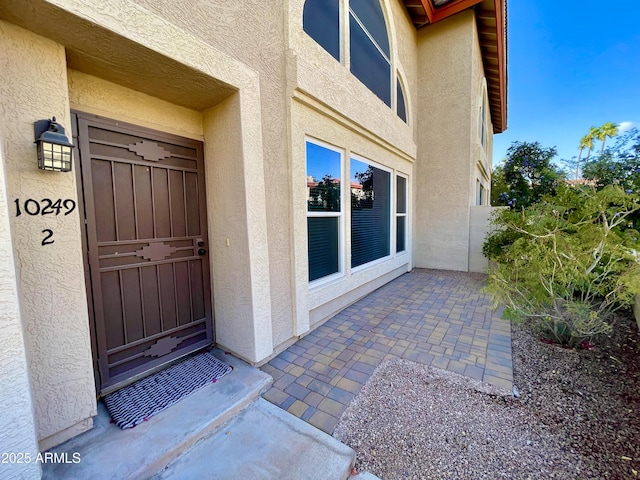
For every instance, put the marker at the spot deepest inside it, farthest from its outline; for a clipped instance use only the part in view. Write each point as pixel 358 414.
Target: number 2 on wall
pixel 48 234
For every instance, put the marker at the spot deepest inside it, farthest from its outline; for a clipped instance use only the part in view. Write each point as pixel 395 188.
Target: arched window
pixel 370 54
pixel 321 20
pixel 401 106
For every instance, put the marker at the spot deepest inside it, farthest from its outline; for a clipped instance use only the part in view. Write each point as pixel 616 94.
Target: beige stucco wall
pixel 238 229
pixel 17 425
pixel 238 327
pixel 91 94
pixel 51 277
pixel 175 77
pixel 329 104
pixel 234 165
pixel 481 155
pixel 252 32
pixel 324 299
pixel 450 72
pixel 246 79
pixel 479 218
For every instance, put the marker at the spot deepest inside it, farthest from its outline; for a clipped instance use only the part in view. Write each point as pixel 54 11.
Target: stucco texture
pixel 251 32
pixel 91 94
pixel 326 299
pixel 247 80
pixel 328 103
pixel 450 71
pixel 157 61
pixel 50 277
pixel 17 427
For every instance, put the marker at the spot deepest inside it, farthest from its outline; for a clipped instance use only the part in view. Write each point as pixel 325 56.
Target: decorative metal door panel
pixel 144 203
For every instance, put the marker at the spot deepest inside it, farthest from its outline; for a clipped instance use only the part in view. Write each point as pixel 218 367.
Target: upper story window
pixel 321 20
pixel 401 106
pixel 369 53
pixel 483 126
pixel 483 121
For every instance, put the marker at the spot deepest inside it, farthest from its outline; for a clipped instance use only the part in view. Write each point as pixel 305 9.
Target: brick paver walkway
pixel 434 317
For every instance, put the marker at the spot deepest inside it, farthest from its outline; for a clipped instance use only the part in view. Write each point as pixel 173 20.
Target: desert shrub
pixel 568 262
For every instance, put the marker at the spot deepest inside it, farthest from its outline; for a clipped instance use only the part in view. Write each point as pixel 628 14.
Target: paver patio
pixel 434 317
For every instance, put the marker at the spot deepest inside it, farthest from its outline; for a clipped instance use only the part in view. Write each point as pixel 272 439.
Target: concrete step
pixel 107 452
pixel 264 442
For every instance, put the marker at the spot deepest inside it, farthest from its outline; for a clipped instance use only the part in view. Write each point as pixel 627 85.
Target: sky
pixel 571 65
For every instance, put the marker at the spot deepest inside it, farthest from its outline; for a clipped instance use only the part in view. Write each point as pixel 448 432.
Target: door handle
pixel 201 251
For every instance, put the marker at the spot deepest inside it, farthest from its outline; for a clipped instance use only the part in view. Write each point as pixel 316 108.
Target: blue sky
pixel 571 65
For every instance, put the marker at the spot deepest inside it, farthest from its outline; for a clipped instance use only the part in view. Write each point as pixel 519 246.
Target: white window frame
pixel 340 215
pixel 392 192
pixel 405 215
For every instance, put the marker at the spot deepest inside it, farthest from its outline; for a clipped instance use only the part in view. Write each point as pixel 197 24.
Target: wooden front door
pixel 147 247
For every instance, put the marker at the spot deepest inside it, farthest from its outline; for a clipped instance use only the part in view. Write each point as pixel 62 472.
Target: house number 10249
pixel 46 206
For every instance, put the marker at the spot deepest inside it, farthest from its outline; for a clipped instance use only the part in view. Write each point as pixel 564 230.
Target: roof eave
pixel 492 30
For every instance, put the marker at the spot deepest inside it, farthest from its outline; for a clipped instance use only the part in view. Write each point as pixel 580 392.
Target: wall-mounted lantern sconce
pixel 54 148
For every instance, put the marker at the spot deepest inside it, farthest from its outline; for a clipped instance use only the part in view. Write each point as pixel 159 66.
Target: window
pixel 401 214
pixel 401 106
pixel 481 193
pixel 483 123
pixel 321 21
pixel 324 210
pixel 370 54
pixel 368 194
pixel 370 213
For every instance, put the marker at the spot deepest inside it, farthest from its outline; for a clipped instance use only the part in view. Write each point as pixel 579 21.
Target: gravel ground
pixel 577 416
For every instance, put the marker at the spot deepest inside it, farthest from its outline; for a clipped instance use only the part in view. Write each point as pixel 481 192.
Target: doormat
pixel 139 401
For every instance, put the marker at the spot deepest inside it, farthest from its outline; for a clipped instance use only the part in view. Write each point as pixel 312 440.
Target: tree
pixel 581 147
pixel 608 129
pixel 572 261
pixel 325 195
pixel 619 166
pixel 498 185
pixel 588 141
pixel 528 174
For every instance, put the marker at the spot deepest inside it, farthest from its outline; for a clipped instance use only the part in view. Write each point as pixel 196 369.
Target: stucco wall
pixel 314 72
pixel 51 277
pixel 447 118
pixel 324 300
pixel 478 228
pixel 238 230
pixel 252 32
pixel 234 165
pixel 17 427
pixel 91 94
pixel 240 321
pixel 172 68
pixel 328 103
pixel 481 154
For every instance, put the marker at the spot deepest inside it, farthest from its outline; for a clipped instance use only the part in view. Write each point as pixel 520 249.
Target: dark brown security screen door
pixel 147 246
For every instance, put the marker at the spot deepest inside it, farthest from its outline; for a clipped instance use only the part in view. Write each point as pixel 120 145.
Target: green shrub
pixel 568 262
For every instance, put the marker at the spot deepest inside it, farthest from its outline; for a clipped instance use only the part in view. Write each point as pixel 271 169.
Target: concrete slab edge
pixel 162 461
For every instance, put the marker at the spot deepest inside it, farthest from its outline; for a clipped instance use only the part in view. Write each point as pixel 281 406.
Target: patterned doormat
pixel 135 403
